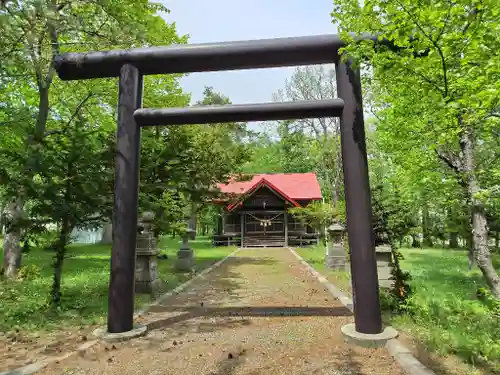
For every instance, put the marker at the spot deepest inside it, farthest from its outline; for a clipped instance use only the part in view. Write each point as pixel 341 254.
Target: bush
pixel 389 301
pixel 46 240
pixel 486 297
pixel 30 272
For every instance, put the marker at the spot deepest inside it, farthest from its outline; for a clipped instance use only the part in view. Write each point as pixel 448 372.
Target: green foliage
pixel 183 164
pixel 265 155
pixel 392 218
pixel 44 240
pixel 492 303
pixel 316 214
pixel 308 145
pixel 57 144
pixel 171 213
pixel 450 310
pixel 436 115
pixel 29 272
pixel 296 149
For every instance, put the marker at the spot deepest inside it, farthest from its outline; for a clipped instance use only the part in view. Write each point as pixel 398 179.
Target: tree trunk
pixel 11 242
pixel 427 239
pixel 339 183
pixel 59 260
pixel 468 241
pixel 107 234
pixel 219 224
pixel 497 239
pixel 65 230
pixel 470 249
pixel 453 241
pixel 12 248
pixel 482 255
pixel 481 251
pixel 414 241
pixel 193 221
pixel 451 223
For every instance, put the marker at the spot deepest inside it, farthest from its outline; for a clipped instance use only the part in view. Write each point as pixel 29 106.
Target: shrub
pixel 486 297
pixel 30 272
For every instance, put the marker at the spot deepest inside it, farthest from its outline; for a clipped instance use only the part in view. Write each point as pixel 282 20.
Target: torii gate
pixel 131 65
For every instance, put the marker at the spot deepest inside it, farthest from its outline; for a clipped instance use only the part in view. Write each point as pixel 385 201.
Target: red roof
pixel 297 186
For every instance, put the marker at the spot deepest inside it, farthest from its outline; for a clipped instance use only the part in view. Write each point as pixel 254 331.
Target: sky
pixel 226 20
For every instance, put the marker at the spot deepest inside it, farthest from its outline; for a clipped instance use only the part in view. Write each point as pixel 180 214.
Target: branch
pixel 434 43
pixel 473 12
pixel 75 113
pixel 79 107
pixel 497 157
pixel 54 40
pixel 450 160
pixel 375 115
pixel 14 46
pixel 466 28
pixel 445 22
pixel 428 80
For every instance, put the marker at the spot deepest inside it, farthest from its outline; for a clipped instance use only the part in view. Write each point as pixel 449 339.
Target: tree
pixel 445 102
pixel 71 189
pixel 188 162
pixel 297 153
pixel 265 155
pixel 318 215
pixel 323 135
pixel 33 33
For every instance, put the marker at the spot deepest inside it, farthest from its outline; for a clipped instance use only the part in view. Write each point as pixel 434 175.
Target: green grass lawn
pixel 444 312
pixel 84 286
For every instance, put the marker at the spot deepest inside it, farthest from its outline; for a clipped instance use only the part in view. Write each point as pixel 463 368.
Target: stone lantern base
pixel 185 255
pixel 147 280
pixel 336 258
pixel 185 260
pixel 383 255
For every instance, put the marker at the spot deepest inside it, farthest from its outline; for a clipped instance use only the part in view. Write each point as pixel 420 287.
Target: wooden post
pixel 286 227
pixel 367 314
pixel 242 228
pixel 219 224
pixel 128 138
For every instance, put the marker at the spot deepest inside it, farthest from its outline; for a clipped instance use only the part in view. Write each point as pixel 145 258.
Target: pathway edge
pixel 37 366
pixel 401 354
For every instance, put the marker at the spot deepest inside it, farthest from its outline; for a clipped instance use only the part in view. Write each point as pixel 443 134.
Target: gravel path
pixel 260 312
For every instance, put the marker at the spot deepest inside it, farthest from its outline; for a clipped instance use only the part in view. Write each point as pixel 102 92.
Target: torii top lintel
pixel 187 58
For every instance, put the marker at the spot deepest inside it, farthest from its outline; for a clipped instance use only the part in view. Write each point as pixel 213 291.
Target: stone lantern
pixel 185 255
pixel 336 256
pixel 146 267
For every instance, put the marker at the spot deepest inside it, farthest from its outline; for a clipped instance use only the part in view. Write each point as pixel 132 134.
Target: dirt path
pixel 259 313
